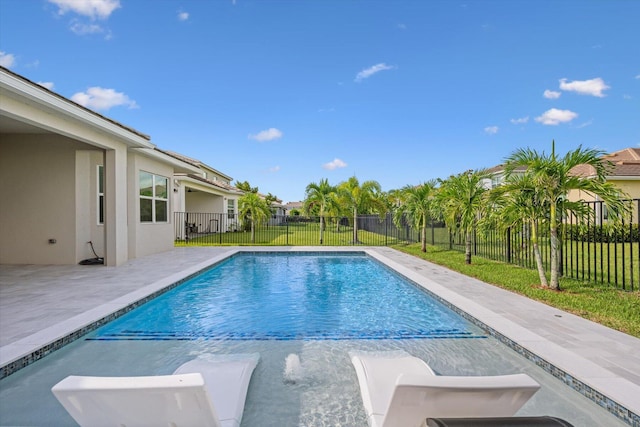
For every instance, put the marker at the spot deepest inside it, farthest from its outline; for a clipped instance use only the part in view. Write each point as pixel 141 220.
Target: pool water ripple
pixel 292 297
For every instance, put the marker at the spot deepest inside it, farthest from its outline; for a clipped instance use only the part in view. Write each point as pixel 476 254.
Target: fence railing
pixel 590 250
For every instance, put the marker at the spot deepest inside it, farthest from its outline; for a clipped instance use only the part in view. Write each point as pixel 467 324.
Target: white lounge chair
pixel 399 390
pixel 207 391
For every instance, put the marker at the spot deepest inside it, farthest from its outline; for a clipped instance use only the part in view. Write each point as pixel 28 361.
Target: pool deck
pixel 41 304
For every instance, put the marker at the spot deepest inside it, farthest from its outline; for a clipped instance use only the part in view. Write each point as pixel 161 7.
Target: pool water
pixel 284 297
pixel 318 307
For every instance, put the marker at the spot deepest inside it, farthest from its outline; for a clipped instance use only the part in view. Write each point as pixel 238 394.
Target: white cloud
pixel 627 96
pixel 48 85
pixel 183 16
pixel 554 117
pixel 551 94
pixel 334 164
pixel 520 121
pixel 585 124
pixel 82 28
pixel 267 135
pixel 491 130
pixel 274 169
pixel 368 72
pixel 103 99
pixel 402 26
pixel 7 60
pixel 93 9
pixel 593 87
pixel 638 77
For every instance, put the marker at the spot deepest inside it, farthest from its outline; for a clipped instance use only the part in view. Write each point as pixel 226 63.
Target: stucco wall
pixel 38 199
pixel 201 202
pixel 147 238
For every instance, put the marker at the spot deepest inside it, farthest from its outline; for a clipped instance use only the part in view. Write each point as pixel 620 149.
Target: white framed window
pixel 154 201
pixel 231 208
pixel 100 193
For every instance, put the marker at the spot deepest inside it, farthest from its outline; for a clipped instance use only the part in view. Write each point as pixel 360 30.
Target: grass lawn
pixel 301 234
pixel 600 303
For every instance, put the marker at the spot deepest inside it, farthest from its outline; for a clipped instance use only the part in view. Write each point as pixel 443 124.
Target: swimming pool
pixel 327 394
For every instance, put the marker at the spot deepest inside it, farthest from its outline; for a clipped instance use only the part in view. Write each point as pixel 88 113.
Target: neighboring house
pixel 497 175
pixel 291 206
pixel 624 173
pixel 204 200
pixel 71 176
pixel 278 212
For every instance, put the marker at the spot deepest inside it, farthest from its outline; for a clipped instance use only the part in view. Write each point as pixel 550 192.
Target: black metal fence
pixel 590 250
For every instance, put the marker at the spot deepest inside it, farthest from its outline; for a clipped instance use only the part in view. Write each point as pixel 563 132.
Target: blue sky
pixel 285 93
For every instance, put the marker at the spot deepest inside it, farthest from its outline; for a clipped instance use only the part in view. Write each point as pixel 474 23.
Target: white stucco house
pixel 71 176
pixel 204 201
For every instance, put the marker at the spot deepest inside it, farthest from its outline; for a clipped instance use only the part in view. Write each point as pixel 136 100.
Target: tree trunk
pixel 467 247
pixel 554 283
pixel 355 226
pixel 253 232
pixel 537 256
pixel 321 228
pixel 423 235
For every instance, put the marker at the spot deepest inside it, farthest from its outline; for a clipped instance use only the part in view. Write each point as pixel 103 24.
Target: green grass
pixel 599 303
pixel 295 234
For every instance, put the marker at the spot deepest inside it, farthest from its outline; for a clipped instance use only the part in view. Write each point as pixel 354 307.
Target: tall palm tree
pixel 553 177
pixel 517 203
pixel 321 196
pixel 255 209
pixel 360 199
pixel 417 204
pixel 462 200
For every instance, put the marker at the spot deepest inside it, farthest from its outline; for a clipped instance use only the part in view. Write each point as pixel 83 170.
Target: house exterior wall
pixel 88 228
pixel 38 195
pixel 200 202
pixel 147 238
pixel 631 187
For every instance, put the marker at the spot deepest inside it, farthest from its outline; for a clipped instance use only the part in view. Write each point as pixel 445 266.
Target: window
pixel 100 194
pixel 231 208
pixel 154 202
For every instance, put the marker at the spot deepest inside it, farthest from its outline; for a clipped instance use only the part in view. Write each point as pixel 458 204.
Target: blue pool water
pixel 292 296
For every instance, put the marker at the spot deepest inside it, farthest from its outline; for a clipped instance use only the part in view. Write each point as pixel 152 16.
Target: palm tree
pixel 553 178
pixel 416 203
pixel 518 203
pixel 462 201
pixel 359 199
pixel 254 209
pixel 320 196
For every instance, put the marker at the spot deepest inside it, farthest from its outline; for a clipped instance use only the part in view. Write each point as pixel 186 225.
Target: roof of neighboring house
pixel 294 205
pixel 194 162
pixel 624 162
pixel 500 168
pixel 44 89
pixel 219 184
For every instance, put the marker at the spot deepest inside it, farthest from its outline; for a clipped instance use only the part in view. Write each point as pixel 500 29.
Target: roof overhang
pixel 23 90
pixel 201 185
pixel 178 165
